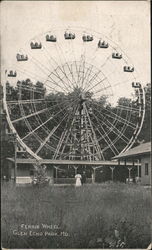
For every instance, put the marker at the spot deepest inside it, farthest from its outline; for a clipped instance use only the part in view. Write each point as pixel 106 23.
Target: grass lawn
pixel 108 215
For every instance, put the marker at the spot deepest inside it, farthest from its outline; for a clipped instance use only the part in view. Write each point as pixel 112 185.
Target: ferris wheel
pixel 73 94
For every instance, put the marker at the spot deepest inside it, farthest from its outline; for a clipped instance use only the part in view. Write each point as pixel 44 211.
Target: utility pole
pixel 12 138
pixel 15 157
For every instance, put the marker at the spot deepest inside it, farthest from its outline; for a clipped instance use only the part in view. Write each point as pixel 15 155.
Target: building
pixel 140 154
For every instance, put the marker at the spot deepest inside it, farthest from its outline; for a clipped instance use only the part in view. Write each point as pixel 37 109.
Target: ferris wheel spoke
pixel 60 67
pixel 87 75
pixel 38 112
pixel 109 86
pixel 65 134
pixel 34 101
pixel 66 64
pixel 45 71
pixel 98 149
pixel 75 62
pixel 30 74
pixel 115 116
pixel 49 119
pixel 76 66
pixel 83 75
pixel 122 82
pixel 29 101
pixel 82 65
pixel 55 84
pixel 91 66
pixel 110 126
pixel 23 114
pixel 127 122
pixel 61 79
pixel 48 58
pixel 30 89
pixel 100 71
pixel 105 88
pixel 79 70
pixel 51 133
pixel 125 108
pixel 73 81
pixel 102 80
pixel 41 65
pixel 55 69
pixel 30 115
pixel 108 140
pixel 92 79
pixel 117 132
pixel 106 60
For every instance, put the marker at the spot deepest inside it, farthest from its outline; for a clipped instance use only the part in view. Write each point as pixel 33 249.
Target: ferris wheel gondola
pixel 116 56
pixel 136 84
pixel 12 74
pixel 69 35
pixel 20 57
pixel 51 38
pixel 35 45
pixel 87 38
pixel 103 44
pixel 69 97
pixel 128 69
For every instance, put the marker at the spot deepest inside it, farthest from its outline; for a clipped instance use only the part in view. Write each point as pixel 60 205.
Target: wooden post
pixel 138 168
pixel 129 172
pixel 75 169
pixel 13 139
pixel 51 176
pixel 15 163
pixel 93 175
pixel 112 169
pixel 56 173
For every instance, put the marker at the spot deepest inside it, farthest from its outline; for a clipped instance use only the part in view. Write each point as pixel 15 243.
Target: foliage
pixel 40 176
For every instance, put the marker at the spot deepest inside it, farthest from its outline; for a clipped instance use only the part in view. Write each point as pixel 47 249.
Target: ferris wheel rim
pixel 22 143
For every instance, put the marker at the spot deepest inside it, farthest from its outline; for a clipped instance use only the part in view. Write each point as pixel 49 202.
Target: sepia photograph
pixel 75 95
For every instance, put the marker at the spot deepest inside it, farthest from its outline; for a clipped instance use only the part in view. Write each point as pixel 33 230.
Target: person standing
pixel 78 178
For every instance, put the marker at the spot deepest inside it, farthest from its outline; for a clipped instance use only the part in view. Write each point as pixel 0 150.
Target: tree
pixel 145 133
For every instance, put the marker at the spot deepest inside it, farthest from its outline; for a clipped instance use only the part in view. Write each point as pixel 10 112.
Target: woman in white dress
pixel 78 180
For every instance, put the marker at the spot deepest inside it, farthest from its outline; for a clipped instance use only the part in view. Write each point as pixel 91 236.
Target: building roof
pixel 144 148
pixel 66 162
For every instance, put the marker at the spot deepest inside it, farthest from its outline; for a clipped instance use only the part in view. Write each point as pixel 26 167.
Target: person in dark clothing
pixel 83 179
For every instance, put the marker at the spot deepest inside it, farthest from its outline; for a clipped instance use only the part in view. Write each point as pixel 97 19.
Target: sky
pixel 127 23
